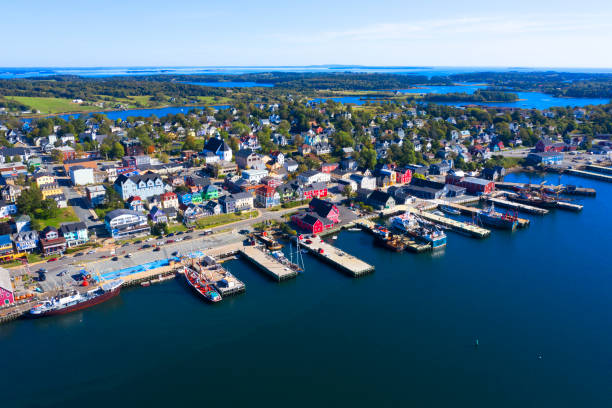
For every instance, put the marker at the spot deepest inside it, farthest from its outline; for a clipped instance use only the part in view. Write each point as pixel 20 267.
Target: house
pixel 314 190
pixel 248 159
pixel 193 213
pixel 313 176
pixel 41 178
pixel 96 195
pixel 311 222
pixel 125 223
pixel 547 158
pixel 286 192
pixel 10 193
pixel 210 192
pixel 158 215
pixel 427 193
pixel 266 197
pixel 135 203
pixel 7 209
pixel 169 200
pixel 403 176
pixel 472 185
pixel 67 152
pixel 75 233
pixel 14 154
pixel 144 186
pixel 291 165
pixel 6 288
pixel 222 168
pixel 349 164
pixel 254 176
pixel 218 147
pixel 381 200
pixel 213 208
pixel 493 173
pixel 365 182
pixel 440 168
pixel 60 200
pixel 23 223
pixel 52 189
pixel 26 241
pixel 328 167
pixel 136 161
pixel 6 244
pixel 547 145
pixel 325 209
pixel 236 202
pixel 210 158
pixel 51 242
pixel 81 176
pixel 197 182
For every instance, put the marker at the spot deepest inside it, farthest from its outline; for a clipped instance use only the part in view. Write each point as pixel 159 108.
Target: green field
pixel 52 105
pixel 214 100
pixel 65 215
pixel 221 219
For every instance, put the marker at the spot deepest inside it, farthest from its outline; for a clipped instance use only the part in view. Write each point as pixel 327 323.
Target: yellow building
pixel 43 179
pixel 50 190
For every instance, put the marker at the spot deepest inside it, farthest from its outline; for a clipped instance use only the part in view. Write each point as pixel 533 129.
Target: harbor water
pixel 520 319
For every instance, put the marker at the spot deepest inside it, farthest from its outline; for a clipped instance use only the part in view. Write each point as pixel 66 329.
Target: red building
pixel 548 146
pixel 403 176
pixel 51 242
pixel 325 209
pixel 311 222
pixel 315 190
pixel 6 288
pixel 472 185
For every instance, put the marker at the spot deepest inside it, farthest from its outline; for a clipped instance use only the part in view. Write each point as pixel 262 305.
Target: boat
pixel 202 288
pixel 535 200
pixel 404 222
pixel 430 234
pixel 354 229
pixel 390 241
pixel 449 210
pixel 74 300
pixel 492 218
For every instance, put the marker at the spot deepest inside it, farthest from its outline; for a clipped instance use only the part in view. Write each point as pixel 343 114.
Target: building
pixel 60 200
pixel 169 200
pixel 325 209
pixel 68 164
pixel 52 189
pixel 68 153
pixel 135 203
pixel 144 186
pixel 329 167
pixel 545 158
pixel 427 193
pixel 222 168
pixel 23 223
pixel 193 213
pixel 10 193
pixel 158 215
pixel 81 176
pixel 136 161
pixel 472 185
pixel 248 159
pixel 236 202
pixel 218 147
pixel 210 192
pixel 7 209
pixel 6 288
pixel 311 222
pixel 41 178
pixel 75 233
pixel 266 197
pixel 254 176
pixel 26 241
pixel 313 176
pixel 126 223
pixel 381 200
pixel 6 244
pixel 51 242
pixel 547 145
pixel 364 182
pixel 14 154
pixel 315 190
pixel 96 195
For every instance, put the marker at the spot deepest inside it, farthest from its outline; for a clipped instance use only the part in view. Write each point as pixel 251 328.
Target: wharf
pixel 222 280
pixel 411 244
pixel 569 190
pixel 599 169
pixel 589 174
pixel 338 258
pixel 268 264
pixel 516 206
pixel 473 211
pixel 564 205
pixel 458 226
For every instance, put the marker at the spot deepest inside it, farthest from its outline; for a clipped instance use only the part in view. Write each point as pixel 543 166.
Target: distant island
pixel 480 95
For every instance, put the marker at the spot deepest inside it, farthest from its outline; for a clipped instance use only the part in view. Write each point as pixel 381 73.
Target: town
pixel 92 193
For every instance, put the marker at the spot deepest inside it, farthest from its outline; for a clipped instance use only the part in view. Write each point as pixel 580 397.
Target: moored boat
pixel 202 288
pixel 74 300
pixel 449 210
pixel 492 218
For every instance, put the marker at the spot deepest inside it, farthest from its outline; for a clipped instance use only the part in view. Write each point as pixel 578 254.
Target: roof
pixel 72 227
pixel 245 153
pixel 5 239
pixel 215 145
pixel 474 180
pixel 121 211
pixel 379 196
pixel 321 207
pixel 137 179
pixel 26 235
pixel 13 151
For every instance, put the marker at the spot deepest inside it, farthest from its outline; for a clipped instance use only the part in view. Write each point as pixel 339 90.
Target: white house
pixel 313 176
pixel 81 176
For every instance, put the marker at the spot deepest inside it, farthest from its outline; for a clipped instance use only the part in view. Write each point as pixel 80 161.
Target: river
pixel 538 301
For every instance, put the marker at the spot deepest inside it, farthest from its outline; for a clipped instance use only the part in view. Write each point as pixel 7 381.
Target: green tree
pixel 117 151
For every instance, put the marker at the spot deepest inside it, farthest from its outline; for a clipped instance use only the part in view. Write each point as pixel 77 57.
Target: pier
pixel 599 169
pixel 528 209
pixel 268 263
pixel 458 226
pixel 569 190
pixel 590 174
pixel 338 258
pixel 220 278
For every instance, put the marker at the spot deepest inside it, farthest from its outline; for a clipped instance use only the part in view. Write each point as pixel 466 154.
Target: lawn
pixel 52 105
pixel 214 100
pixel 222 219
pixel 65 215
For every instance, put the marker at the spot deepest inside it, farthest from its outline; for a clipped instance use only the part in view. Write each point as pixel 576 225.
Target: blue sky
pixel 203 33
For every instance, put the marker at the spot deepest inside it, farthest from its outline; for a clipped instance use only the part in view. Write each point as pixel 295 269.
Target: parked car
pixel 157 249
pixel 188 237
pixel 128 255
pixel 170 241
pixel 52 260
pixel 115 258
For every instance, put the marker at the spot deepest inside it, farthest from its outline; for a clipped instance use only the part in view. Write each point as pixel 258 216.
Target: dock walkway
pixel 473 211
pixel 517 206
pixel 267 263
pixel 458 226
pixel 411 244
pixel 338 258
pixel 590 174
pixel 222 280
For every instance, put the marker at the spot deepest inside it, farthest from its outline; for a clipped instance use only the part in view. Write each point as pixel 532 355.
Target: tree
pixel 57 156
pixel 161 228
pixel 367 158
pixel 118 151
pixel 347 191
pixel 30 200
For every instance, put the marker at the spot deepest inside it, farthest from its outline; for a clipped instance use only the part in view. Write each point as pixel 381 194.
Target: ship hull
pixel 499 223
pixel 199 290
pixel 79 306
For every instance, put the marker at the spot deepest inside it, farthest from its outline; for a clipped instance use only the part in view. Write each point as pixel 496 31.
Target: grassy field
pixel 65 215
pixel 222 219
pixel 52 105
pixel 214 100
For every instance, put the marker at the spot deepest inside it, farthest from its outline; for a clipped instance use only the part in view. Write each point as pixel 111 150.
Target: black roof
pixel 379 196
pixel 321 207
pixel 72 227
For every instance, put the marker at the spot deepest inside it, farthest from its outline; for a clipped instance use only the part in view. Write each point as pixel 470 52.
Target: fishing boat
pixel 202 288
pixel 430 234
pixel 390 241
pixel 354 229
pixel 74 300
pixel 535 200
pixel 492 218
pixel 449 210
pixel 404 222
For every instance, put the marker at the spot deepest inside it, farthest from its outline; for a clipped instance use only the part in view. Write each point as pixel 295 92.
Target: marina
pixel 464 228
pixel 336 257
pixel 474 211
pixel 266 262
pixel 410 244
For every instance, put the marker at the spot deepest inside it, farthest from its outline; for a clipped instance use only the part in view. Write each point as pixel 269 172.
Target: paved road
pixel 80 206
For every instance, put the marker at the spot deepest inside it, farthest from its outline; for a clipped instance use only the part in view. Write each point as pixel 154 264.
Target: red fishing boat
pixel 201 287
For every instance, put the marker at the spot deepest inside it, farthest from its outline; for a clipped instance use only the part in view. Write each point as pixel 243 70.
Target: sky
pixel 525 33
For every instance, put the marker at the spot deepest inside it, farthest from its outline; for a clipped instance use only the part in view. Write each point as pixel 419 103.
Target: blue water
pixel 527 100
pixel 120 273
pixel 536 299
pixel 135 71
pixel 229 84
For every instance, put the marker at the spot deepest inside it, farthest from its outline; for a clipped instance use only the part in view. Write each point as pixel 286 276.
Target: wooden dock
pixel 338 258
pixel 589 174
pixel 569 190
pixel 599 169
pixel 473 211
pixel 222 280
pixel 458 226
pixel 564 205
pixel 267 263
pixel 516 206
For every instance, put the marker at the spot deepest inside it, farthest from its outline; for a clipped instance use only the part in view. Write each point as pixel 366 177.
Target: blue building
pixel 545 158
pixel 26 241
